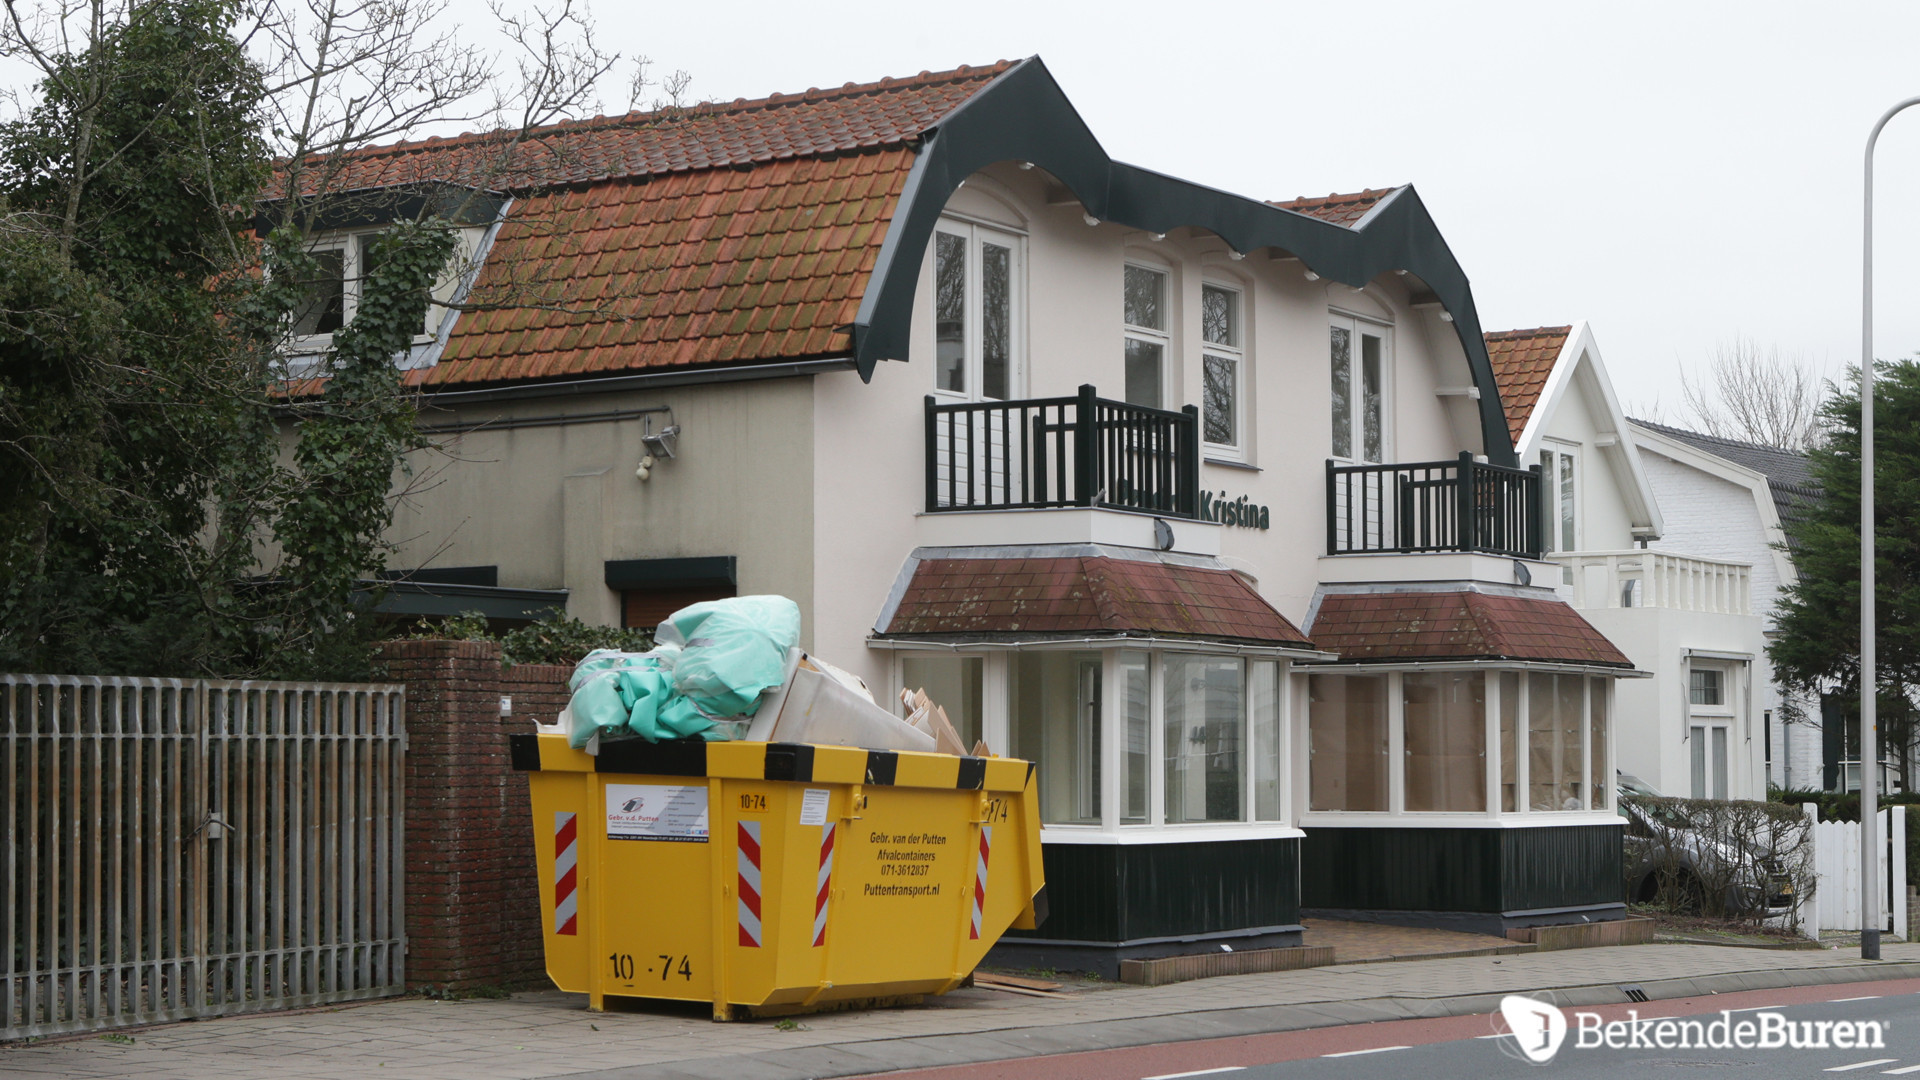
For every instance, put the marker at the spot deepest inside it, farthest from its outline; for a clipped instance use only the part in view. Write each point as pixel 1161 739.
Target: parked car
pixel 1662 839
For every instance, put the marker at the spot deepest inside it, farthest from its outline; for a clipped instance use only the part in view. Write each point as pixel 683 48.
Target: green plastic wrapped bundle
pixel 705 678
pixel 731 651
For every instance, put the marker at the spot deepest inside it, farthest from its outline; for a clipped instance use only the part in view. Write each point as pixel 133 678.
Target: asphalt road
pixel 1474 1047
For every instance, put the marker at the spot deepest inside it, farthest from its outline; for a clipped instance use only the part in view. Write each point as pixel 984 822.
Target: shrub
pixel 557 639
pixel 1719 858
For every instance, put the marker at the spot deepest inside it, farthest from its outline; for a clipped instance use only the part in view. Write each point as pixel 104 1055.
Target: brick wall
pixel 472 896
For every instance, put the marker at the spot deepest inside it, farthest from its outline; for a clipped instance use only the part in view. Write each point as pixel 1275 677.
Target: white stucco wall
pixel 1711 515
pixel 868 478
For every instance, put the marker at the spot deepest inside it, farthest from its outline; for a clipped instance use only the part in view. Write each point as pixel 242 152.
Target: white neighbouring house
pixel 1732 499
pixel 1676 572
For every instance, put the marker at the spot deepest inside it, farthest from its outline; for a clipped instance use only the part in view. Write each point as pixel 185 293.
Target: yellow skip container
pixel 776 877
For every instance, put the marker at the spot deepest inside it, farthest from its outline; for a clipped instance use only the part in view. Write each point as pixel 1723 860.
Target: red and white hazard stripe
pixel 980 878
pixel 566 904
pixel 749 860
pixel 821 886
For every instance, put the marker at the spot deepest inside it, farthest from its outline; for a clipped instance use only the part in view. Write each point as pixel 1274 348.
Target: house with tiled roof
pixel 1630 559
pixel 1095 455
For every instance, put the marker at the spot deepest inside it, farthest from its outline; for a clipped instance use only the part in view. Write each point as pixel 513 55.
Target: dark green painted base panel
pixel 1505 877
pixel 1141 900
pixel 1031 954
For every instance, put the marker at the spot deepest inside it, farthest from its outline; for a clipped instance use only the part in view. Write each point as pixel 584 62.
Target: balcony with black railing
pixel 1049 453
pixel 1462 505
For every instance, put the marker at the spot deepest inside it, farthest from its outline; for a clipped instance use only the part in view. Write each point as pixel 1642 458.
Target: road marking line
pixel 1861 1065
pixel 1197 1072
pixel 1869 997
pixel 1375 1050
pixel 1758 1008
pixel 1495 1035
pixel 1900 1072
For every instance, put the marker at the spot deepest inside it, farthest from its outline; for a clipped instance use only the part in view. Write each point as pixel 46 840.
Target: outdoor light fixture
pixel 1311 276
pixel 660 445
pixel 1089 218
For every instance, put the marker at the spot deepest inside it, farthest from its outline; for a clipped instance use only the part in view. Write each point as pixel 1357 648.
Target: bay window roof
pixel 1368 625
pixel 1105 593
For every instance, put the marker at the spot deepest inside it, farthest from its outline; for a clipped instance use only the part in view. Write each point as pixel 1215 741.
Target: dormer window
pixel 342 265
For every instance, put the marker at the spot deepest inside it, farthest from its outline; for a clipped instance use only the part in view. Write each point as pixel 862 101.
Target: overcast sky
pixel 1677 173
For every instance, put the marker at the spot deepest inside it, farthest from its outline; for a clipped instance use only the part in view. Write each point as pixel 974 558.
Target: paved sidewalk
pixel 550 1034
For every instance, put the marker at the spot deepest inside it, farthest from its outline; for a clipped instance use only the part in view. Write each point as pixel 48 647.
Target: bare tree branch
pixel 1755 394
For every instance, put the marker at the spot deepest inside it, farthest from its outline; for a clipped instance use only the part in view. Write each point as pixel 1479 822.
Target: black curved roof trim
pixel 1023 115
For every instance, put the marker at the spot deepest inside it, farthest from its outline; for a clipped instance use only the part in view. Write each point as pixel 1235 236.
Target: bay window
pixel 1433 741
pixel 956 684
pixel 1347 742
pixel 1446 741
pixel 1126 739
pixel 1206 724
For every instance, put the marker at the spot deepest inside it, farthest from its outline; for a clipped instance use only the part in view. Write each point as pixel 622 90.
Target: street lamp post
pixel 1869 736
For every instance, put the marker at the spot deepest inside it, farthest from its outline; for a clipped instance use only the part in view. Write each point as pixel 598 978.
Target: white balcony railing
pixel 1658 579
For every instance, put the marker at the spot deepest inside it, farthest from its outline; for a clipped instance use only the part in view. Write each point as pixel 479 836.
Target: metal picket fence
pixel 181 848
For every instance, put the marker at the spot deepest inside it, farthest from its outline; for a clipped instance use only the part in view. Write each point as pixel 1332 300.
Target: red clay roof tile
pixel 726 233
pixel 1086 595
pixel 1339 209
pixel 1522 360
pixel 1463 625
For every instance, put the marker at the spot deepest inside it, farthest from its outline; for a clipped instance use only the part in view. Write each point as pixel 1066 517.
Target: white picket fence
pixel 1836 865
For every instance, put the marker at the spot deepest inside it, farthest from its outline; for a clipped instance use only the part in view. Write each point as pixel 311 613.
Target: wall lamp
pixel 660 445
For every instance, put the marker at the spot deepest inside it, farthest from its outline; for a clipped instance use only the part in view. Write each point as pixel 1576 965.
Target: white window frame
pixel 1162 337
pixel 1356 325
pixel 352 277
pixel 995 728
pixel 1596 807
pixel 1235 353
pixel 974 234
pixel 1550 492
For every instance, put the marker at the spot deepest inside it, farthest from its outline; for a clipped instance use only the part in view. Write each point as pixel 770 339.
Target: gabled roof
pixel 848 119
pixel 1789 475
pixel 1085 596
pixel 1537 370
pixel 815 253
pixel 1522 360
pixel 1337 208
pixel 713 235
pixel 1463 625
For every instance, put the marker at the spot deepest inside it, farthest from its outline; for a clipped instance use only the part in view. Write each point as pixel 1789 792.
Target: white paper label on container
pixel 657 812
pixel 813 807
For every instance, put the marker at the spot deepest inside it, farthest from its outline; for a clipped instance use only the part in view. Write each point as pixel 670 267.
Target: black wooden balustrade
pixel 1043 453
pixel 1462 505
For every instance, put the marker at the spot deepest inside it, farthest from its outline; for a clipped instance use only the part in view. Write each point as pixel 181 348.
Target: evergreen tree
pixel 1818 643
